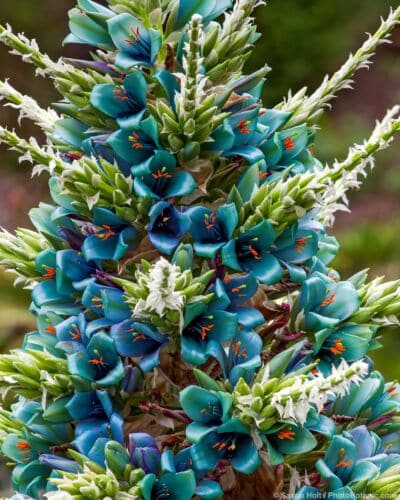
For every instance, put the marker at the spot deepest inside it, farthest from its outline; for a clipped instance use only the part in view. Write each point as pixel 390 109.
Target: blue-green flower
pixel 252 252
pixel 126 103
pixel 137 44
pixel 158 178
pixel 167 226
pixel 112 237
pixel 203 326
pixel 350 342
pixel 137 144
pixel 88 25
pixel 212 230
pixel 100 362
pixel 341 467
pixel 107 302
pixel 294 248
pixel 239 289
pixel 138 340
pixel 289 148
pixel 243 358
pixel 215 434
pixel 208 9
pixel 325 303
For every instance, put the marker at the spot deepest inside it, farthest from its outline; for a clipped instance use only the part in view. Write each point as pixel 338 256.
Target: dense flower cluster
pixel 189 326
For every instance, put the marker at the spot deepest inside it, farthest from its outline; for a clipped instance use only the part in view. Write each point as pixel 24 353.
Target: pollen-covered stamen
pixel 135 140
pixel 121 94
pixel 50 329
pixel 237 351
pixel 288 143
pixel 243 127
pixel 328 300
pixel 212 409
pixel 99 361
pixel 237 290
pixel 137 336
pixel 287 434
pixel 205 330
pixel 75 332
pixel 343 462
pixel 254 252
pixel 23 450
pixel 262 175
pixel 162 173
pixel 50 272
pixel 338 347
pixel 393 391
pixel 134 36
pixel 300 244
pixel 97 303
pixel 105 233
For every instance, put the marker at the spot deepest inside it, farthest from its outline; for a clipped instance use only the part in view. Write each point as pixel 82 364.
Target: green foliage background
pixel 302 40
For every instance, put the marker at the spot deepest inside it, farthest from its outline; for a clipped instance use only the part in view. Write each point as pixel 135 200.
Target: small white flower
pixel 162 294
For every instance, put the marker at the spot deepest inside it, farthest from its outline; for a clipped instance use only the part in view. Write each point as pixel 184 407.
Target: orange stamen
pixel 254 252
pixel 50 272
pixel 287 434
pixel 134 37
pixel 288 143
pixel 108 233
pixel 50 329
pixel 338 348
pixel 205 330
pixel 243 127
pixel 75 332
pixel 162 173
pixel 121 95
pixel 328 300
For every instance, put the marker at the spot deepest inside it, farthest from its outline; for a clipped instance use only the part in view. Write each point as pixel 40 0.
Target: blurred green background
pixel 302 41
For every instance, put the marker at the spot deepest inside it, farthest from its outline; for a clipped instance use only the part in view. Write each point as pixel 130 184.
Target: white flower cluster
pixel 346 174
pixel 294 403
pixel 163 296
pixel 29 108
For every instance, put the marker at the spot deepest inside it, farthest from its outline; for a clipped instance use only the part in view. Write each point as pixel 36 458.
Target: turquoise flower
pixel 137 44
pixel 239 289
pixel 88 25
pixel 243 358
pixel 212 230
pixel 107 302
pixel 62 272
pixel 294 248
pixel 135 339
pixel 350 342
pixel 252 252
pixel 30 476
pixel 100 362
pixel 158 178
pixel 207 9
pixel 167 226
pixel 126 103
pixel 344 465
pixel 217 436
pixel 174 486
pixel 289 149
pixel 137 144
pixel 112 237
pixel 71 334
pixel 203 326
pixel 325 303
pixel 372 400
